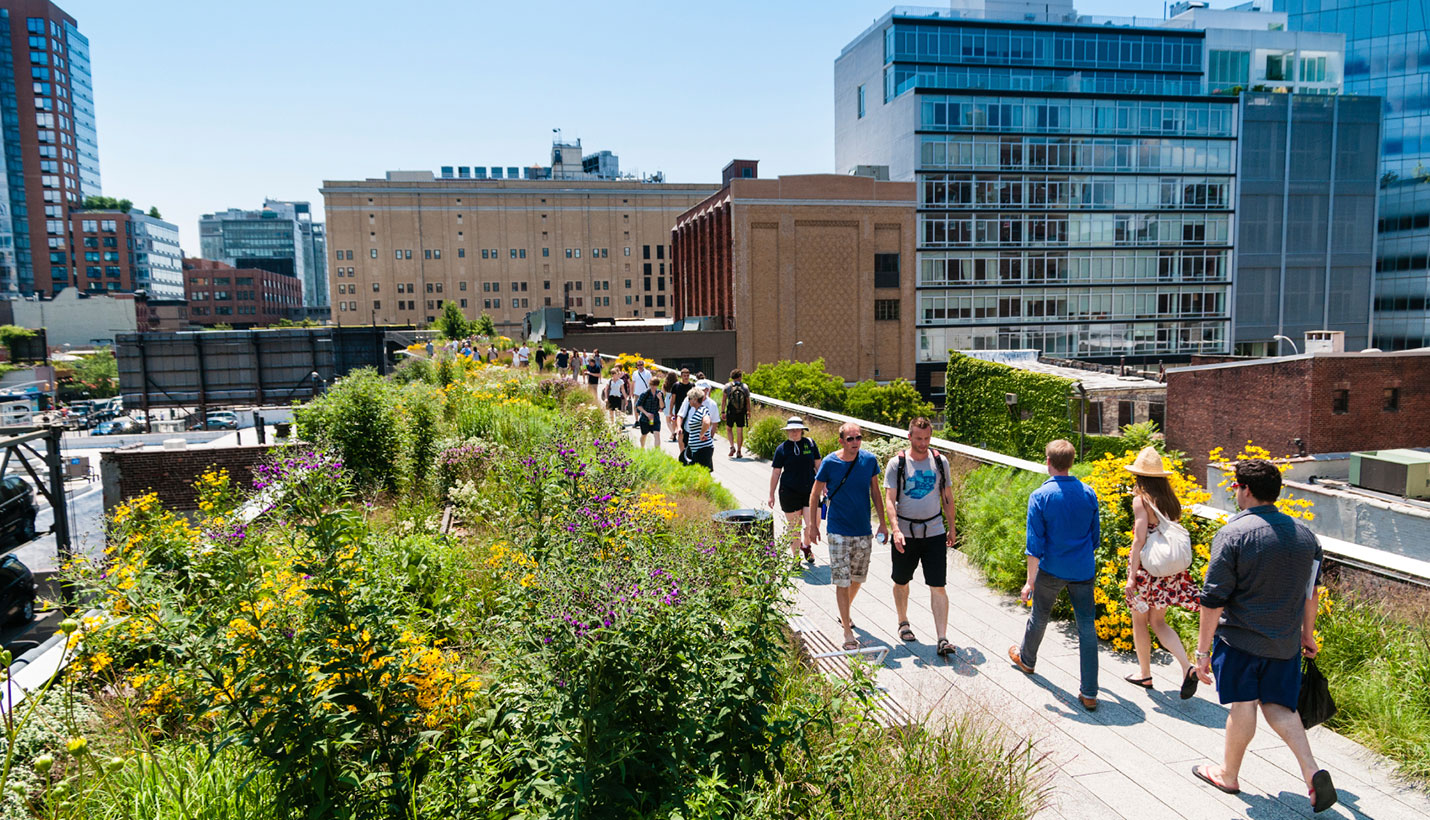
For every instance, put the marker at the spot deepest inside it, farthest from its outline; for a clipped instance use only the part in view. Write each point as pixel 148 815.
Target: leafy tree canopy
pixel 800 382
pixel 894 404
pixel 107 203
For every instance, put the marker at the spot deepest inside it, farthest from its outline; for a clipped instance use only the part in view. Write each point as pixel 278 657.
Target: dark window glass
pixel 1392 400
pixel 1341 402
pixel 886 270
pixel 1124 413
pixel 886 310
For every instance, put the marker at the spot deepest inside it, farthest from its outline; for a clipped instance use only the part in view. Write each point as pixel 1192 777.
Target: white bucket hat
pixel 795 423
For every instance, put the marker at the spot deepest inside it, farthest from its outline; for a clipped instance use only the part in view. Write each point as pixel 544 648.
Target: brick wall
pixel 172 473
pixel 1274 401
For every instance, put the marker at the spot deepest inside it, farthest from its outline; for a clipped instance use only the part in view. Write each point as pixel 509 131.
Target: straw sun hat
pixel 1148 463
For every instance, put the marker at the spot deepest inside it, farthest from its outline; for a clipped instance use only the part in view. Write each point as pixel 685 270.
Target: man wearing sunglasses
pixel 851 478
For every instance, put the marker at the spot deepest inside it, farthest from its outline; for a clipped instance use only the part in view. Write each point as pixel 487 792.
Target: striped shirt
pixel 696 438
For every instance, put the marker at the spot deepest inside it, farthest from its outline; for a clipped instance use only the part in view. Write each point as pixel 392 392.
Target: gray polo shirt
pixel 1263 563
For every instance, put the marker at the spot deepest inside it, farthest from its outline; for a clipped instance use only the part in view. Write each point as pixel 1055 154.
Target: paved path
pixel 1131 758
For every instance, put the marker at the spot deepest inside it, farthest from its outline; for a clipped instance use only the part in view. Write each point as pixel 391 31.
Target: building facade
pixel 803 267
pixel 1305 205
pixel 402 246
pixel 1388 55
pixel 220 294
pixel 50 143
pixel 281 238
pixel 127 251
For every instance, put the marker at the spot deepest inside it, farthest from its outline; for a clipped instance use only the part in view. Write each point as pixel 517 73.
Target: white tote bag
pixel 1168 549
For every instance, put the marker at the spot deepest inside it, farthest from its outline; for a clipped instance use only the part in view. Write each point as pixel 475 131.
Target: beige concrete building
pixel 822 259
pixel 402 246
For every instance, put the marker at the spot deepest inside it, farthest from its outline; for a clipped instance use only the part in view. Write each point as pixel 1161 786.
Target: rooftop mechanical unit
pixel 1397 472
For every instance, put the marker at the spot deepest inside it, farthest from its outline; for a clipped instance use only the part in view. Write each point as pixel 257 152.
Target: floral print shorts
pixel 1150 592
pixel 849 558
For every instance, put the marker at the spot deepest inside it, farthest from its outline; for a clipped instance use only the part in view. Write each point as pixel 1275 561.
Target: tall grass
pixel 992 505
pixel 673 478
pixel 181 782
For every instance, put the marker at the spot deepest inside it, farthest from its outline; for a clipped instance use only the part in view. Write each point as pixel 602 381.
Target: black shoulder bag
pixel 824 502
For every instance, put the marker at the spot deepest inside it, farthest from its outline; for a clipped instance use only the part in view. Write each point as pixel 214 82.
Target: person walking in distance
pixel 698 420
pixel 918 495
pixel 792 477
pixel 615 395
pixel 593 370
pixel 540 356
pixel 736 398
pixel 523 354
pixel 668 396
pixel 1258 620
pixel 1149 596
pixel 641 381
pixel 678 395
pixel 648 414
pixel 563 361
pixel 851 477
pixel 1064 530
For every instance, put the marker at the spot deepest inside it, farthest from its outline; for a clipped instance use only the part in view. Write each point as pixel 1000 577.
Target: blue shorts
pixel 1242 676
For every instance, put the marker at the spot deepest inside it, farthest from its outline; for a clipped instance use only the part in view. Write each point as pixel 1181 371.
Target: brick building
pixel 823 259
pixel 242 297
pixel 127 251
pixel 1331 402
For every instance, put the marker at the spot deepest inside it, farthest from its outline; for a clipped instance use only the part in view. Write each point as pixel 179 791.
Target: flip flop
pixel 1201 773
pixel 1145 683
pixel 1323 791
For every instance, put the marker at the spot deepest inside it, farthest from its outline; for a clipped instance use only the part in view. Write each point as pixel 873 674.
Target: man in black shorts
pixel 736 410
pixel 917 489
pixel 678 394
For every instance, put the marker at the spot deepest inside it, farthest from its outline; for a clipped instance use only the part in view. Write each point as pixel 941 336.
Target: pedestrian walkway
pixel 1133 757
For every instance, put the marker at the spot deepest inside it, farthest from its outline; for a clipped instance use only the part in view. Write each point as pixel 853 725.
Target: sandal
pixel 905 633
pixel 1189 684
pixel 1205 776
pixel 1145 683
pixel 1323 791
pixel 945 648
pixel 808 554
pixel 851 644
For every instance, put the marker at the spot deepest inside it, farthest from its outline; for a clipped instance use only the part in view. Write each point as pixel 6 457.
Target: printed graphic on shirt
pixel 920 484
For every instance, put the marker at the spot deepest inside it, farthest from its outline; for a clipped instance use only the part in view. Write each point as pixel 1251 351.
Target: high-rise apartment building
pixel 127 251
pixel 281 237
pixel 1078 177
pixel 403 246
pixel 50 143
pixel 1388 55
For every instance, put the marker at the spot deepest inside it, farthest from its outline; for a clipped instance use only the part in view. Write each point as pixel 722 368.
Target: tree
pixel 894 404
pixel 10 334
pixel 452 324
pixel 484 326
pixel 154 212
pixel 95 375
pixel 799 382
pixel 107 203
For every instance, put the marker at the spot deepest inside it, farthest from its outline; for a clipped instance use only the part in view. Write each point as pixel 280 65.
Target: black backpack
pixel 738 397
pixel 903 466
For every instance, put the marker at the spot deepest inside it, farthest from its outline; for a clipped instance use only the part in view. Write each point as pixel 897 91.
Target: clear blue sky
pixel 203 105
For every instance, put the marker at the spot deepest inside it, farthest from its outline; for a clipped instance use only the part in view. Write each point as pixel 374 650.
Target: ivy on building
pixel 978 412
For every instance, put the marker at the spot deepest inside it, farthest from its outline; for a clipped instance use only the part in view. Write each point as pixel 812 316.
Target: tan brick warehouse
pixel 400 247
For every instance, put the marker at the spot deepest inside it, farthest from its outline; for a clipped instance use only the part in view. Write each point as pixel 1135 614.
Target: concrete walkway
pixel 1132 758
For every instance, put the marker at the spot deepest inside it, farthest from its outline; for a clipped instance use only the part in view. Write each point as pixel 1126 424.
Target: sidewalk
pixel 1133 757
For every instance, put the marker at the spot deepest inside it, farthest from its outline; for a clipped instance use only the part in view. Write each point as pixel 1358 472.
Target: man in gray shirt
pixel 917 490
pixel 1260 603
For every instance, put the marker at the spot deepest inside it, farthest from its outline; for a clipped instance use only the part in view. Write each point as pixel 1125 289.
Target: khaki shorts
pixel 849 558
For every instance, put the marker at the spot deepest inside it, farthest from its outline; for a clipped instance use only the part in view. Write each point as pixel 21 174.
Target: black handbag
pixel 1315 703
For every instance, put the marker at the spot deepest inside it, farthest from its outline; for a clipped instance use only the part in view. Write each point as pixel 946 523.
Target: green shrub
pixel 803 383
pixel 661 471
pixel 992 505
pixel 357 419
pixel 894 404
pixel 765 435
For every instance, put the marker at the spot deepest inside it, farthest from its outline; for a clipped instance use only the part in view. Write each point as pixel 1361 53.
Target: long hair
pixel 669 382
pixel 1158 490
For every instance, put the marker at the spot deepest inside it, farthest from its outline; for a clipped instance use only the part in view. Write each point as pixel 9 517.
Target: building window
pixel 645 250
pixel 1277 65
pixel 462 285
pixel 437 253
pixel 1157 414
pixel 545 251
pixel 861 102
pixel 1124 413
pixel 628 252
pixel 1392 400
pixel 513 253
pixel 373 252
pixel 376 305
pixel 886 270
pixel 568 253
pixel 886 310
pixel 1092 418
pixel 461 253
pixel 397 254
pixel 1341 402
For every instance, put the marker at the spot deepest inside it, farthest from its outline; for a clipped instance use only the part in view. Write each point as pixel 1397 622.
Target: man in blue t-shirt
pixel 851 477
pixel 1063 533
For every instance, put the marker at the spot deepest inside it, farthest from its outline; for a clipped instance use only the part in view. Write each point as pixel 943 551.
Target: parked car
pixel 218 420
pixel 17 591
pixel 116 427
pixel 17 511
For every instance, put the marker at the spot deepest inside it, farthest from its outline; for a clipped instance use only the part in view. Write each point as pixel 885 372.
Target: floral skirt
pixel 1150 592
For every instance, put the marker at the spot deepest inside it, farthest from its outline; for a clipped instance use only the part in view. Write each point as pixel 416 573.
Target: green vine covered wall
pixel 978 414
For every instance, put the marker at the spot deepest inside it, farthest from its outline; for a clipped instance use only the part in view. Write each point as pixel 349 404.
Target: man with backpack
pixel 736 411
pixel 917 491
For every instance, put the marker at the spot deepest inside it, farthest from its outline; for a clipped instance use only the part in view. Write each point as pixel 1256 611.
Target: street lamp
pixel 1285 339
pixel 794 351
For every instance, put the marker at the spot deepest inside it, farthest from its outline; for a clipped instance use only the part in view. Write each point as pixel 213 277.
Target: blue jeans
pixel 1045 593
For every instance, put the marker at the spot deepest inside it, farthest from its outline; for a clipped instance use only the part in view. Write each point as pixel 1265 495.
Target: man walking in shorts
pixel 917 490
pixel 851 477
pixel 736 410
pixel 1258 620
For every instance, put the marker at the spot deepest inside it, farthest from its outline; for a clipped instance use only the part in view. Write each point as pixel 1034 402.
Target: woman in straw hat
pixel 1149 596
pixel 794 465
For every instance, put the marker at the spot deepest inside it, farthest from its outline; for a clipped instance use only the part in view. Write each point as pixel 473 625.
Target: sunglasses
pixel 1235 486
pixel 853 438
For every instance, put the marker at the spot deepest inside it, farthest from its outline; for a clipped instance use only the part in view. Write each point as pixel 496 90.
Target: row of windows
pixel 942 190
pixel 1076 154
pixel 487 253
pixel 1078 340
pixel 906 41
pixel 1131 117
pixel 903 77
pixel 1389 401
pixel 942 230
pixel 1076 305
pixel 97 225
pixel 1079 267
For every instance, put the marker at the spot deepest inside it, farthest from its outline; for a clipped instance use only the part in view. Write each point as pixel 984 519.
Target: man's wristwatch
pixel 1201 655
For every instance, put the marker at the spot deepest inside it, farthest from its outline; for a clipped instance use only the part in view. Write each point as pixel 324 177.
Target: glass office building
pixel 1388 55
pixel 1076 182
pixel 281 238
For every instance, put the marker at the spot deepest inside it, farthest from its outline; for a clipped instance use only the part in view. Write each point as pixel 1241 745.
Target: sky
pixel 203 106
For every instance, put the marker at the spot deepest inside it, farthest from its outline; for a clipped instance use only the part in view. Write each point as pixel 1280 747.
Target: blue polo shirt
pixel 1064 528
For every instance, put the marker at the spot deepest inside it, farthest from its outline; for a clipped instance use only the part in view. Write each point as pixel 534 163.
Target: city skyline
pixel 667 91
